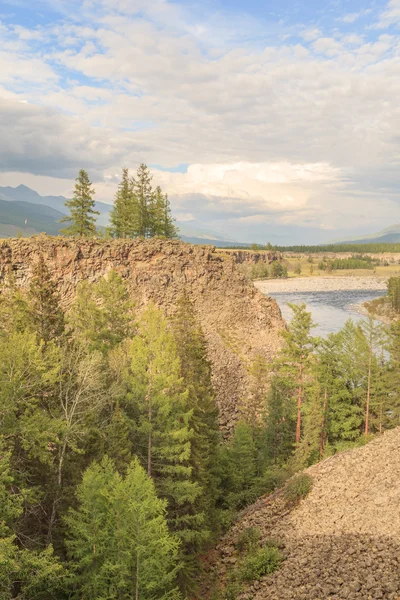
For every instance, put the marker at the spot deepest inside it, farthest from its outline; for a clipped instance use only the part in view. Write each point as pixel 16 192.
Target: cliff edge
pixel 239 321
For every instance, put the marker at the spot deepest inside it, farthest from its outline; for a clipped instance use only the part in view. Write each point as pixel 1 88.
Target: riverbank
pixel 321 284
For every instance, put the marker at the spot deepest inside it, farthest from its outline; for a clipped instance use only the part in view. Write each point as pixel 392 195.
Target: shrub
pixel 248 540
pixel 298 487
pixel 264 562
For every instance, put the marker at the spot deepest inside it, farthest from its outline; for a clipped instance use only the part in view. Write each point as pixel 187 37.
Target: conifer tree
pixel 240 461
pixel 280 422
pixel 195 369
pixel 163 224
pixel 102 314
pixel 119 538
pixel 159 405
pixel 82 213
pixel 141 186
pixel 295 360
pixel 44 304
pixel 124 214
pixel 28 573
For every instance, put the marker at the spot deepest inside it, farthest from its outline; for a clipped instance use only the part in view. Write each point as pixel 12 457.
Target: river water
pixel 329 309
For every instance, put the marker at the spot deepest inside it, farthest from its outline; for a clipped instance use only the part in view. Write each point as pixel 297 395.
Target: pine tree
pixel 280 422
pixel 373 333
pixel 30 574
pixel 102 314
pixel 163 224
pixel 82 214
pixel 119 539
pixel 240 465
pixel 394 373
pixel 141 186
pixel 124 216
pixel 44 304
pixel 295 360
pixel 195 369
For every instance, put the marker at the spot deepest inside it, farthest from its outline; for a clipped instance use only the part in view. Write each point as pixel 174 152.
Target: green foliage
pixel 119 541
pixel 394 292
pixel 278 270
pixel 102 314
pixel 82 214
pixel 140 211
pixel 336 264
pixel 248 540
pixel 255 566
pixel 259 271
pixel 44 304
pixel 298 487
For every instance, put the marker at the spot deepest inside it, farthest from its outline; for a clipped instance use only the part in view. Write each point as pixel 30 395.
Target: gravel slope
pixel 342 541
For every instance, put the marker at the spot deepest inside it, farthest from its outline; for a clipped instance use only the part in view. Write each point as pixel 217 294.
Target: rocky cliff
pixel 341 542
pixel 238 320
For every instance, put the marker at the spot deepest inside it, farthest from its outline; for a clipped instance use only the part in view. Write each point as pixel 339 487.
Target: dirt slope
pixel 238 320
pixel 342 541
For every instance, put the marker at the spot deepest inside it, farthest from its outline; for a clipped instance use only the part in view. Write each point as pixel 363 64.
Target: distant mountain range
pixel 391 235
pixel 22 210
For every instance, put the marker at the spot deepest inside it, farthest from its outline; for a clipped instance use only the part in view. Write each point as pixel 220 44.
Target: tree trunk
pixel 58 493
pixel 299 404
pixel 368 394
pixel 149 441
pixel 322 440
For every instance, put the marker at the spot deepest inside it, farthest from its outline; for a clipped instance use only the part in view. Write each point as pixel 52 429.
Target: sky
pixel 264 120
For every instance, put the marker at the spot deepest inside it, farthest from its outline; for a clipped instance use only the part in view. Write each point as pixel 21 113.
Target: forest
pixel 114 476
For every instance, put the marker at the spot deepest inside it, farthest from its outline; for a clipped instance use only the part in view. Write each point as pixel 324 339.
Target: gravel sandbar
pixel 320 284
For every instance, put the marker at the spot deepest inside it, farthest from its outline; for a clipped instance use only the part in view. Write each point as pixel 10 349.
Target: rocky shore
pixel 320 284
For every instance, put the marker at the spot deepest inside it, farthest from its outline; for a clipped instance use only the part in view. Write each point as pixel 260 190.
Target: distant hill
pixel 29 218
pixel 12 220
pixel 391 235
pixel 26 194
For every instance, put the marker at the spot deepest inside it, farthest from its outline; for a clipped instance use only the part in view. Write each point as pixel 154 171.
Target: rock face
pixel 250 257
pixel 238 320
pixel 342 541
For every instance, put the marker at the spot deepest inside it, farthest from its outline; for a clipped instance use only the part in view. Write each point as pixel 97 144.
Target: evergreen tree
pixel 393 375
pixel 124 214
pixel 119 538
pixel 82 214
pixel 159 406
pixel 195 369
pixel 280 422
pixel 141 186
pixel 44 304
pixel 23 573
pixel 240 468
pixel 373 334
pixel 163 224
pixel 102 314
pixel 294 363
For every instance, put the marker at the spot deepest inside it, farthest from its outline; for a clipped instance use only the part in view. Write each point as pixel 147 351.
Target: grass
pixel 298 487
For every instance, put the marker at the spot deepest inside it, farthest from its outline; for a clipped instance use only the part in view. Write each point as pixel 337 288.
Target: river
pixel 331 301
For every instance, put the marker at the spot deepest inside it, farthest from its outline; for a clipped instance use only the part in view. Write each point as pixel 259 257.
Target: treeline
pixel 339 248
pixel 378 248
pixel 138 210
pixel 337 264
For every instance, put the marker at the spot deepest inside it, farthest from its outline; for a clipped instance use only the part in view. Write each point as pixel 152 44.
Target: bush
pixel 264 562
pixel 248 540
pixel 298 487
pixel 278 270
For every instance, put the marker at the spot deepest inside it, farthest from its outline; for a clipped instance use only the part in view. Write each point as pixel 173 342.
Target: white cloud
pixel 266 126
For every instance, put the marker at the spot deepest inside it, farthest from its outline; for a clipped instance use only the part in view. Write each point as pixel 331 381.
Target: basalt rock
pixel 341 542
pixel 239 322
